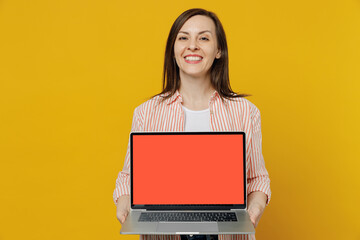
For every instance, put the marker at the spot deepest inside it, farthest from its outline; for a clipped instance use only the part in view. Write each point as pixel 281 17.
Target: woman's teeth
pixel 193 58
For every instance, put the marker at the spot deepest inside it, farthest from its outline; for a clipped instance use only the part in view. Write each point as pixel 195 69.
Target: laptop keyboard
pixel 188 217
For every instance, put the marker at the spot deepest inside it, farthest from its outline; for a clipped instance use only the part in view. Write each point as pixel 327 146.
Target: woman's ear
pixel 218 55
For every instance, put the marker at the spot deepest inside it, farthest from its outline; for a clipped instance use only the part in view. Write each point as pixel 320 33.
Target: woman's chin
pixel 193 74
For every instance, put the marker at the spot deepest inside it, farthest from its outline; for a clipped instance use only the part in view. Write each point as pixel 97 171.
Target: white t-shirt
pixel 197 121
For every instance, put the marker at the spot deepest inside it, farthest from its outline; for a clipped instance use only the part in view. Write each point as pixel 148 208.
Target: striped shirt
pixel 237 114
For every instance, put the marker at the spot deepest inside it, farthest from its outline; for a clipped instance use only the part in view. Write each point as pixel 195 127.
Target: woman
pixel 197 96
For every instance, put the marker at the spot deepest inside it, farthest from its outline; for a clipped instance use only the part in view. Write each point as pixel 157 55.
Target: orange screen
pixel 188 169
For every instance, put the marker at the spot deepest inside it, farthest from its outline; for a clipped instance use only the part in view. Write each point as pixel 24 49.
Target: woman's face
pixel 196 47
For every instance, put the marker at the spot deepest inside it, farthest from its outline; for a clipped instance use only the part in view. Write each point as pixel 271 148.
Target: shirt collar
pixel 173 98
pixel 215 96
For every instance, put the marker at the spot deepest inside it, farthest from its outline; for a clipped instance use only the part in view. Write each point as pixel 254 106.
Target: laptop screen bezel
pixel 188 206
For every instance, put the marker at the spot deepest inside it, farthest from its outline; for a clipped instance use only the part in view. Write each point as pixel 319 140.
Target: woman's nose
pixel 193 45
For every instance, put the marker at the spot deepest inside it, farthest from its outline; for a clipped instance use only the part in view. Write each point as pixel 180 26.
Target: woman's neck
pixel 196 92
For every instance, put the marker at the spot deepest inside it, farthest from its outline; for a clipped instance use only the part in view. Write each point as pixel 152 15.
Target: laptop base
pixel 133 226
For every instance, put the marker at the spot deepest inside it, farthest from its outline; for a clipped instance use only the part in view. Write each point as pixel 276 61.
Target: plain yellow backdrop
pixel 72 72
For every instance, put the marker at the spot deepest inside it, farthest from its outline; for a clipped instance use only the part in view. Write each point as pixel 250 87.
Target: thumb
pixel 252 216
pixel 122 219
pixel 253 220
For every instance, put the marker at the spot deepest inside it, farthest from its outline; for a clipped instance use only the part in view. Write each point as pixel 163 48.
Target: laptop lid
pixel 188 170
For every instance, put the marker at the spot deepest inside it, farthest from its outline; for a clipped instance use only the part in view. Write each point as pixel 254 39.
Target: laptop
pixel 187 183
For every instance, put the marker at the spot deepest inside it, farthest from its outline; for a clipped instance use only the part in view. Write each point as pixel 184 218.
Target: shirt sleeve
pixel 257 175
pixel 122 186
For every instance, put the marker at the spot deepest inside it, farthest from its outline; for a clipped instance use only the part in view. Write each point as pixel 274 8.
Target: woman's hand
pixel 256 206
pixel 122 208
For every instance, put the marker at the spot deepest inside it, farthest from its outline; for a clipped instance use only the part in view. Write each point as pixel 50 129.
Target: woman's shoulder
pixel 243 103
pixel 150 104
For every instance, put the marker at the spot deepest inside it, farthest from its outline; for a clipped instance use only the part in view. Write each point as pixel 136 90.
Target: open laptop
pixel 188 183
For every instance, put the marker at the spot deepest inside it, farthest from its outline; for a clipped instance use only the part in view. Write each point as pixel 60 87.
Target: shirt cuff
pixel 122 186
pixel 260 186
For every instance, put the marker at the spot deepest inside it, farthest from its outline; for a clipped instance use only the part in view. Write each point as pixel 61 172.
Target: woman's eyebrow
pixel 199 32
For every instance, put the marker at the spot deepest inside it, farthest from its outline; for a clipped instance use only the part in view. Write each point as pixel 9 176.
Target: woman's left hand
pixel 256 206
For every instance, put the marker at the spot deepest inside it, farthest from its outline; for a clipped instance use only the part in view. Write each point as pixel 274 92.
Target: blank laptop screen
pixel 188 169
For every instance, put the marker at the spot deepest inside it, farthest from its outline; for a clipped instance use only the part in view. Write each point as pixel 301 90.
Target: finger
pixel 123 213
pixel 253 222
pixel 255 213
pixel 256 219
pixel 121 217
pixel 253 218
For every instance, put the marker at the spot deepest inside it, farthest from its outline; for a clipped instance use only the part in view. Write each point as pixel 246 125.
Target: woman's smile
pixel 193 58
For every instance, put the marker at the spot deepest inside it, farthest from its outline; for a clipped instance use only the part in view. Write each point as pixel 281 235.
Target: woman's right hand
pixel 122 208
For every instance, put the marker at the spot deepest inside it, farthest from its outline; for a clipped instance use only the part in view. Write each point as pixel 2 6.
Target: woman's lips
pixel 193 62
pixel 193 59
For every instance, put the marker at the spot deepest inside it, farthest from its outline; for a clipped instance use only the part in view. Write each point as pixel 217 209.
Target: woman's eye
pixel 182 38
pixel 204 38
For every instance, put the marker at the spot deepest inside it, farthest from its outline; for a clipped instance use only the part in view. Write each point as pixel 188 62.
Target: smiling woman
pixel 196 32
pixel 196 48
pixel 197 96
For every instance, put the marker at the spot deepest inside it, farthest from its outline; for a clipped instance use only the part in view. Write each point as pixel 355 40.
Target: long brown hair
pixel 219 71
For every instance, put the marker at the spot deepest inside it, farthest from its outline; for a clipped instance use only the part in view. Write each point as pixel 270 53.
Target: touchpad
pixel 187 227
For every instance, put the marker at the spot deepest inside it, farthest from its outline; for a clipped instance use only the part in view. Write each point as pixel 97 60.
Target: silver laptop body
pixel 147 147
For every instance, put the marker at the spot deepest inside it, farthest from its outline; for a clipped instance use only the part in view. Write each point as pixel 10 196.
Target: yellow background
pixel 72 72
